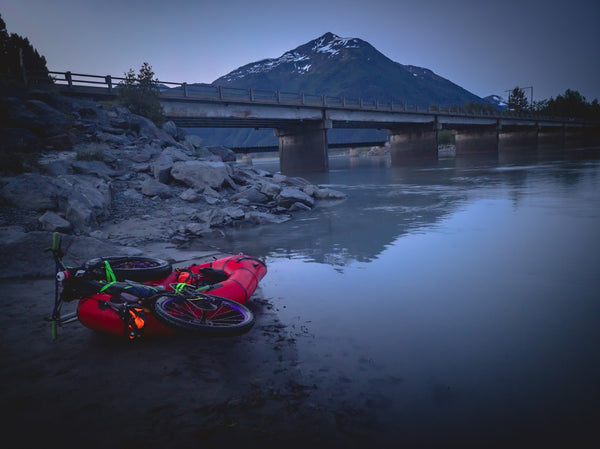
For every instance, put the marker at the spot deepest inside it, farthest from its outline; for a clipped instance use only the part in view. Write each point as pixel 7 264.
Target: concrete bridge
pixel 301 121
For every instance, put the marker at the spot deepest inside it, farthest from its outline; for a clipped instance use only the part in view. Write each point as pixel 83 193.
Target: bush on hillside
pixel 140 94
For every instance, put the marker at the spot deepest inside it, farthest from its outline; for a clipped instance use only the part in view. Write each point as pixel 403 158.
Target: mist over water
pixel 454 300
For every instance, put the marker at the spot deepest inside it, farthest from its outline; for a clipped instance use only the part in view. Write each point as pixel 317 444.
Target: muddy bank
pixel 90 390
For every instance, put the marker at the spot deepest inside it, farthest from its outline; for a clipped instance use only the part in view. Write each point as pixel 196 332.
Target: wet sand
pixel 91 390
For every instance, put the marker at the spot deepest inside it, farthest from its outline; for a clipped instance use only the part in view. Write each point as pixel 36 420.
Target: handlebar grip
pixel 63 275
pixel 55 241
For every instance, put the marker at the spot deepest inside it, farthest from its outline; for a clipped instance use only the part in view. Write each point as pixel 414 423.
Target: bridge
pixel 301 121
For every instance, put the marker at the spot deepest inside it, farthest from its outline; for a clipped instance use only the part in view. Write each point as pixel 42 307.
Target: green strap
pixel 55 241
pixel 107 286
pixel 110 275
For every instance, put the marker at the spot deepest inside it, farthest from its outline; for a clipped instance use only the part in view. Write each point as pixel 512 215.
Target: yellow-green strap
pixel 110 275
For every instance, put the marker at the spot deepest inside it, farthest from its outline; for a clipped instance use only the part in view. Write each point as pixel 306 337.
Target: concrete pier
pixel 303 148
pixel 414 142
pixel 521 138
pixel 551 138
pixel 476 140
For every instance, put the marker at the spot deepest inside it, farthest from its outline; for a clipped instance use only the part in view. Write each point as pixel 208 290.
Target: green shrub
pixel 445 137
pixel 141 95
pixel 91 152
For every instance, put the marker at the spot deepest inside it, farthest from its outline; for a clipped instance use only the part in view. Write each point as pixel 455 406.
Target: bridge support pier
pixel 575 137
pixel 303 148
pixel 414 142
pixel 550 138
pixel 476 140
pixel 517 138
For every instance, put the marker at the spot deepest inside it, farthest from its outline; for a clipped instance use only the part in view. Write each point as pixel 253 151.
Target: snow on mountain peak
pixel 331 43
pixel 299 58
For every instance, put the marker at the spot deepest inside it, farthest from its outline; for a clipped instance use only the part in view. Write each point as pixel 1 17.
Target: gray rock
pixel 250 195
pixel 264 218
pixel 236 213
pixel 213 217
pixel 291 195
pixel 197 228
pixel 270 189
pixel 189 195
pixel 200 174
pixel 329 194
pixel 152 187
pixel 30 191
pixel 278 178
pixel 193 140
pixel 298 206
pixel 222 152
pixel 145 127
pixel 143 153
pixel 97 168
pixel 162 168
pixel 83 199
pixel 170 128
pixel 45 120
pixel 51 221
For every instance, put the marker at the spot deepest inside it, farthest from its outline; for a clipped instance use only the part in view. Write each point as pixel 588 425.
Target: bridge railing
pixel 108 83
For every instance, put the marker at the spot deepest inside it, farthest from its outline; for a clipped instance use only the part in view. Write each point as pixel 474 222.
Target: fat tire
pixel 243 318
pixel 160 268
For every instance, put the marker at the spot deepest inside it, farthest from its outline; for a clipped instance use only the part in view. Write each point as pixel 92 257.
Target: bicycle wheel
pixel 204 314
pixel 132 268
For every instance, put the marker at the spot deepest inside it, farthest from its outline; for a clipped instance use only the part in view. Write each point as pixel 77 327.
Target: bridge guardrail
pixel 223 93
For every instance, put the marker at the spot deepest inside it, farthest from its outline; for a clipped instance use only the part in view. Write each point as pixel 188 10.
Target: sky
pixel 485 47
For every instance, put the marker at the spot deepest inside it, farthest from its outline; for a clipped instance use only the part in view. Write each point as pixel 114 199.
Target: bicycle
pixel 130 298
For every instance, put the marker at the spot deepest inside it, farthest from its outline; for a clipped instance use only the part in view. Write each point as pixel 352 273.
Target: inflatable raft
pixel 232 277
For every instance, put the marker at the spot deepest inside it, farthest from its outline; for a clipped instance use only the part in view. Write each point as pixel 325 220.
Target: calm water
pixel 456 300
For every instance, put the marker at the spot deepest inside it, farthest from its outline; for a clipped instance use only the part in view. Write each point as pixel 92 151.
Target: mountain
pixel 349 67
pixel 496 101
pixel 336 66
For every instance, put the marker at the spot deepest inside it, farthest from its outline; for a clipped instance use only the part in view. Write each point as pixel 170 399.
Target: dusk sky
pixel 485 47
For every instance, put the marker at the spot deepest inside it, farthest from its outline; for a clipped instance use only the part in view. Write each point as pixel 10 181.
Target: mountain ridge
pixel 351 67
pixel 340 67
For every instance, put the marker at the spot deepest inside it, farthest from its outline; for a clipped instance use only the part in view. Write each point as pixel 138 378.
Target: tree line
pixel 569 104
pixel 21 63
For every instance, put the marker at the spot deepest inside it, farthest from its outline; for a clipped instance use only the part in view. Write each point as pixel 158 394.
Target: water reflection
pixel 384 203
pixel 455 301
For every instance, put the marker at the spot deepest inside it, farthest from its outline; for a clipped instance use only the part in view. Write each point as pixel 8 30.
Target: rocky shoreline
pixel 113 181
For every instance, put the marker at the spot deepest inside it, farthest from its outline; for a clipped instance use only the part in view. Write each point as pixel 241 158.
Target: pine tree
pixel 140 93
pixel 19 61
pixel 517 101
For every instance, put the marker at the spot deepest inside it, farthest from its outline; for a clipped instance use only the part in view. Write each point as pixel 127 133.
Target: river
pixel 459 299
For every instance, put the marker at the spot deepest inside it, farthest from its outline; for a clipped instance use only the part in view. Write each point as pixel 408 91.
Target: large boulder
pixel 152 187
pixel 148 129
pixel 224 153
pixel 43 120
pixel 30 191
pixel 83 199
pixel 162 168
pixel 250 195
pixel 51 221
pixel 290 195
pixel 200 174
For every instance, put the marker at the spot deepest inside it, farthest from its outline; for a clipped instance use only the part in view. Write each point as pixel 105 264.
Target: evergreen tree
pixel 517 101
pixel 140 93
pixel 18 59
pixel 572 104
